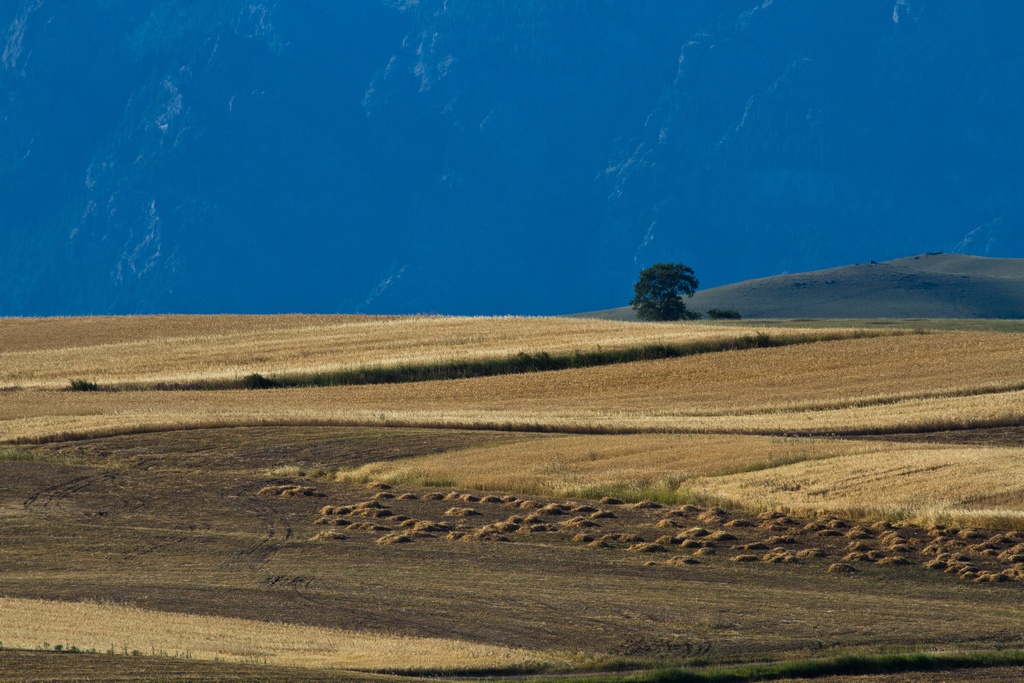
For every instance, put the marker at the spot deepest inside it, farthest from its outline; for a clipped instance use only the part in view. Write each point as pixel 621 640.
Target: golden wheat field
pixel 950 484
pixel 125 630
pixel 862 479
pixel 152 349
pixel 626 414
pixel 580 466
pixel 206 524
pixel 871 385
pixel 34 417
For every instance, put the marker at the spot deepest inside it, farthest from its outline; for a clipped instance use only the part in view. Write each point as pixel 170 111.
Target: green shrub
pixel 257 381
pixel 83 385
pixel 724 314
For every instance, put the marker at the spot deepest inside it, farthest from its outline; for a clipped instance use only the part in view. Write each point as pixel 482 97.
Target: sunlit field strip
pixel 961 380
pixel 277 345
pixel 820 375
pixel 28 624
pixel 977 486
pixel 633 466
pixel 46 416
pixel 969 486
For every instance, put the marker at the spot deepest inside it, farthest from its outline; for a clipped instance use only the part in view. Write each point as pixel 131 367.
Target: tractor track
pixel 59 492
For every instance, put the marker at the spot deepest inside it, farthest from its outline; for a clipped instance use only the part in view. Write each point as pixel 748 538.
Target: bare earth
pixel 175 522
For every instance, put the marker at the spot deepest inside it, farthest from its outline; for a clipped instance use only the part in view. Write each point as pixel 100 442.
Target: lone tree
pixel 659 290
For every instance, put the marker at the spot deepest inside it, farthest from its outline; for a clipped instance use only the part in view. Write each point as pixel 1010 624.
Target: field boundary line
pixel 523 427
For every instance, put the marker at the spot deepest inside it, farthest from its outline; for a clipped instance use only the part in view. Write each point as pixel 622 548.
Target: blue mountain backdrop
pixel 490 156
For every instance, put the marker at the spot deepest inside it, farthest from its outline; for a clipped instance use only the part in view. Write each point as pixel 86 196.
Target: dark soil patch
pixel 996 436
pixel 252 448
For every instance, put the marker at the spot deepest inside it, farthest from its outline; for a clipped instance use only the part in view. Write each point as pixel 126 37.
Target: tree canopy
pixel 659 292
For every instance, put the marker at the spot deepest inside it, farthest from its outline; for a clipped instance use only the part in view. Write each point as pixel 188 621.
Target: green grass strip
pixel 520 363
pixel 842 665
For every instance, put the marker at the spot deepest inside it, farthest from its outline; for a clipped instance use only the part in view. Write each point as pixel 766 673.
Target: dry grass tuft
pixel 971 534
pixel 329 536
pixel 624 538
pixel 647 548
pixel 779 556
pixel 714 515
pixel 744 558
pixel 840 568
pixel 288 491
pixel 858 556
pixel 486 535
pixel 781 540
pixel 394 539
pixel 460 512
pixel 331 521
pixel 579 523
pixel 756 545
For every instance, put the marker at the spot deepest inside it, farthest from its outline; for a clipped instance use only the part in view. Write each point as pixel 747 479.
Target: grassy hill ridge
pixel 922 286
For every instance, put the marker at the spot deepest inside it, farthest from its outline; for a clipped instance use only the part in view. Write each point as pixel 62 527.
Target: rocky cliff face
pixel 489 157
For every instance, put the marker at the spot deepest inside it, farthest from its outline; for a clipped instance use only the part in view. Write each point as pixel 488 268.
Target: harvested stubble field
pixel 262 512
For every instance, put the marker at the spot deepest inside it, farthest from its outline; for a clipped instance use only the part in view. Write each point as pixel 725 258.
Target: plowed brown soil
pixel 178 524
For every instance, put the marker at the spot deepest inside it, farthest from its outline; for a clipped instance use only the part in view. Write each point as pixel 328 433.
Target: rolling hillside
pixel 923 286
